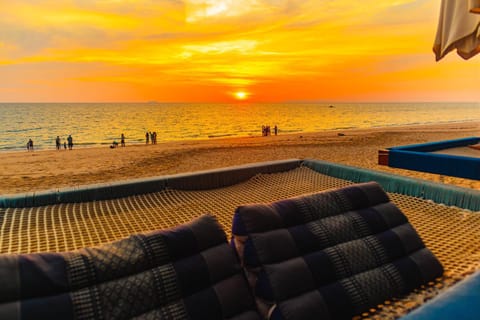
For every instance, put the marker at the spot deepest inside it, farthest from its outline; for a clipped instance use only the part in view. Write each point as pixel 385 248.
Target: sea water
pixel 97 124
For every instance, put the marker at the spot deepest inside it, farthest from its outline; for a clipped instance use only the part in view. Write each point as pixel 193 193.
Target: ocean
pixel 99 124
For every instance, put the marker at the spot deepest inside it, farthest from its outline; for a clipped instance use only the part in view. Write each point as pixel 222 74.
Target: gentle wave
pixel 221 135
pixel 92 124
pixel 345 128
pixel 22 130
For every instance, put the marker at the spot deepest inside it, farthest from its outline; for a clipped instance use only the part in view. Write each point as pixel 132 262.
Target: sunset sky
pixel 227 50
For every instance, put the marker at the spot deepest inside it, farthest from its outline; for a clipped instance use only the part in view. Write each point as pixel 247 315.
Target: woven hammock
pixel 451 233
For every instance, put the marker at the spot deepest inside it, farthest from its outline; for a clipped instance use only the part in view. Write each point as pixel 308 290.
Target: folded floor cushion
pixel 330 255
pixel 189 272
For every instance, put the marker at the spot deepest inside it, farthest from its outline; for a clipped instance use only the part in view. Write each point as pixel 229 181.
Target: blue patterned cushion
pixel 189 272
pixel 330 255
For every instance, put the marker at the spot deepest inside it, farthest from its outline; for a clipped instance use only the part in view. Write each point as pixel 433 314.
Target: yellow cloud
pixel 60 14
pixel 235 82
pixel 237 46
pixel 198 10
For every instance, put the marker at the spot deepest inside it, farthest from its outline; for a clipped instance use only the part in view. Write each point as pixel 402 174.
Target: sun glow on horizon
pixel 241 95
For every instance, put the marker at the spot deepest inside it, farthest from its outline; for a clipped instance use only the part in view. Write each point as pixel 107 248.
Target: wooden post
pixel 383 157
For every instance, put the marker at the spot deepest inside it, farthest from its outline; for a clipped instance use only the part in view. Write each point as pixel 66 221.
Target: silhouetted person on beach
pixel 30 145
pixel 275 129
pixel 70 142
pixel 58 143
pixel 122 140
pixel 265 131
pixel 65 144
pixel 147 136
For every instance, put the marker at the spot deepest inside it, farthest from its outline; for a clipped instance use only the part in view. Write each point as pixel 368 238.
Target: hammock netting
pixel 451 233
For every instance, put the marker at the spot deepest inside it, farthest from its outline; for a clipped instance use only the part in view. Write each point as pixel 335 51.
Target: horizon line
pixel 236 102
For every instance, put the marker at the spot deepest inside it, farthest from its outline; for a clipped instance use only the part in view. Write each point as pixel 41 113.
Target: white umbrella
pixel 458 28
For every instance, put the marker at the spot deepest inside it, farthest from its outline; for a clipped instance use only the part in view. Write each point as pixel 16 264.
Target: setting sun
pixel 241 95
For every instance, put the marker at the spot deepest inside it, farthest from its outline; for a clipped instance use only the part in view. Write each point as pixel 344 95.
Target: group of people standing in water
pixel 58 143
pixel 122 142
pixel 267 132
pixel 68 143
pixel 151 136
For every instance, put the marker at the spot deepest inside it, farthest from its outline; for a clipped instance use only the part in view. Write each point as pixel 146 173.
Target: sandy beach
pixel 50 169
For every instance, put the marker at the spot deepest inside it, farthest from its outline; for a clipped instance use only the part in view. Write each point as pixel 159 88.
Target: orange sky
pixel 208 51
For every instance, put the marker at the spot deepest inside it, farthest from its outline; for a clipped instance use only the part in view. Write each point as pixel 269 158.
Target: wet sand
pixel 41 170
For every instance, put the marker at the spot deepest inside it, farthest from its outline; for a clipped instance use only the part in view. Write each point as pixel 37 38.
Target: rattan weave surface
pixel 451 233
